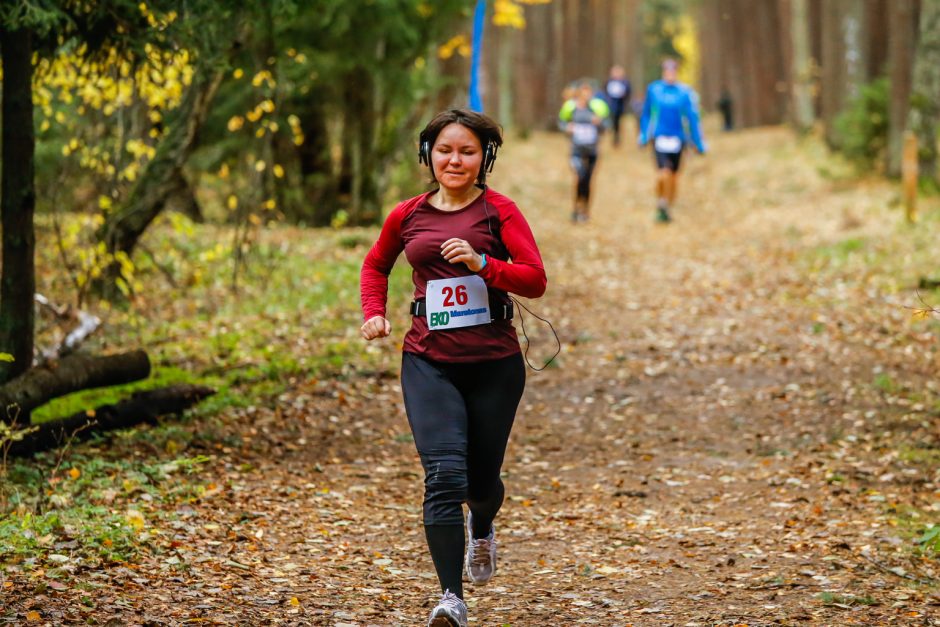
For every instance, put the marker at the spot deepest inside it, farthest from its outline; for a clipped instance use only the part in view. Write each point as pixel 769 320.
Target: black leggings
pixel 460 415
pixel 583 164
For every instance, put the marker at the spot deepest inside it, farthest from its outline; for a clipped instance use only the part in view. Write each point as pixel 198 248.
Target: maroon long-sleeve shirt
pixel 419 229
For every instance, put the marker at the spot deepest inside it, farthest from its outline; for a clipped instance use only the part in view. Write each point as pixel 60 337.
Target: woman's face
pixel 456 157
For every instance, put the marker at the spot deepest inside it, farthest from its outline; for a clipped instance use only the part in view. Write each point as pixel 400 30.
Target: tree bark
pixel 316 168
pixel 802 67
pixel 925 92
pixel 160 179
pixel 877 37
pixel 141 407
pixel 709 17
pixel 183 199
pixel 855 34
pixel 902 37
pixel 17 205
pixel 75 372
pixel 832 80
pixel 358 183
pixel 504 76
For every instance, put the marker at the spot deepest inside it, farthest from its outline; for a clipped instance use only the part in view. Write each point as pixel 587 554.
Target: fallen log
pixel 39 385
pixel 141 407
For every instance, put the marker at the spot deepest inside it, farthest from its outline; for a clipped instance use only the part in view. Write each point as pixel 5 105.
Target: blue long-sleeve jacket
pixel 667 110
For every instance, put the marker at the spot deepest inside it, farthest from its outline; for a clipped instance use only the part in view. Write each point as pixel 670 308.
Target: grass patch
pixel 840 252
pixel 88 509
pixel 929 541
pixel 89 399
pixel 919 527
pixel 831 598
pixel 929 457
pixel 884 382
pixel 290 314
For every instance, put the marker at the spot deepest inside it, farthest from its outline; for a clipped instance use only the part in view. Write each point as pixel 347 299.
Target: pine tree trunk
pixel 844 59
pixel 855 35
pixel 925 92
pixel 504 77
pixel 316 169
pixel 358 188
pixel 802 67
pixel 902 37
pixel 17 205
pixel 877 37
pixel 712 82
pixel 638 68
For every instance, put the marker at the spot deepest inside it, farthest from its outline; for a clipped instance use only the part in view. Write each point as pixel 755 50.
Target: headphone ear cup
pixel 424 151
pixel 489 157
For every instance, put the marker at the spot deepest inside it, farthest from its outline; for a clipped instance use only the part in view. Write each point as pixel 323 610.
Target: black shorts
pixel 668 160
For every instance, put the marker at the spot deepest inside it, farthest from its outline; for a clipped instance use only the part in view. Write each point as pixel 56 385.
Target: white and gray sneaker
pixel 450 612
pixel 481 554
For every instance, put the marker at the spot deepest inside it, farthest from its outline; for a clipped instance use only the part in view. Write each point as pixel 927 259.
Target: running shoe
pixel 662 214
pixel 450 612
pixel 481 554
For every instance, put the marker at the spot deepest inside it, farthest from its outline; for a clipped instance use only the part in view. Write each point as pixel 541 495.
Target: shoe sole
pixel 442 621
pixel 480 582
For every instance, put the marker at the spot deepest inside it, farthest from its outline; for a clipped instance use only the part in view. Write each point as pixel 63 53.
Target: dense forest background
pixel 118 115
pixel 847 65
pixel 741 424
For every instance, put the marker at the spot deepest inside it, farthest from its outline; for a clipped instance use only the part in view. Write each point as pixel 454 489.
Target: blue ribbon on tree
pixel 479 20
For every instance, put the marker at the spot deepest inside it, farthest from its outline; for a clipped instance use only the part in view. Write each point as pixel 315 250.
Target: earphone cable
pixel 528 343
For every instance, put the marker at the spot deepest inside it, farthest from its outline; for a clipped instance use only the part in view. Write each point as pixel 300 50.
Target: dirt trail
pixel 709 449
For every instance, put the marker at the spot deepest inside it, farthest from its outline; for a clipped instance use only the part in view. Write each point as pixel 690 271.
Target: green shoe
pixel 662 215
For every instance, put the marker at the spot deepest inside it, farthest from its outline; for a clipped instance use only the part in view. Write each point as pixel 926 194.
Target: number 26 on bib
pixel 458 302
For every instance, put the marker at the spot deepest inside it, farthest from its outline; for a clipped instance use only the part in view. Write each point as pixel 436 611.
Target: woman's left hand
pixel 456 250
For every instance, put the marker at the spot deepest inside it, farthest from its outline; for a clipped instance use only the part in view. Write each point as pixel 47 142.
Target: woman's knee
pixel 445 489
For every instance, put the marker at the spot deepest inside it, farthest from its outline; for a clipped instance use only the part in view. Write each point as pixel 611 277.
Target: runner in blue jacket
pixel 670 120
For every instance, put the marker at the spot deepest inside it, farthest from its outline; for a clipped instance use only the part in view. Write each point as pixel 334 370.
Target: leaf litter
pixel 740 430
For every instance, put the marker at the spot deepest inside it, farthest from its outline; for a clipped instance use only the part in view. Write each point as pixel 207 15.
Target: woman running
pixel 462 371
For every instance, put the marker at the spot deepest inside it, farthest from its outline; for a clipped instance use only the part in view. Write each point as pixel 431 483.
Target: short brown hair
pixel 486 129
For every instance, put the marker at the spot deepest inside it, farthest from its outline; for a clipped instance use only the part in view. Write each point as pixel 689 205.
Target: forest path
pixel 709 449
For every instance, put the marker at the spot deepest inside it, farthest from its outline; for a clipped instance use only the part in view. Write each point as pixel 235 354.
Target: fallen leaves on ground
pixel 731 435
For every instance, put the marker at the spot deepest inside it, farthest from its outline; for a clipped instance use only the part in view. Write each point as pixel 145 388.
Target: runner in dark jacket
pixel 618 90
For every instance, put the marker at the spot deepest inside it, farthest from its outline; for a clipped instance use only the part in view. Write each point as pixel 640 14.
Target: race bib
pixel 583 134
pixel 668 143
pixel 455 303
pixel 616 89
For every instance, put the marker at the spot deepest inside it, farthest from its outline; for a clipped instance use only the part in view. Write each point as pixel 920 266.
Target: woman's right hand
pixel 375 327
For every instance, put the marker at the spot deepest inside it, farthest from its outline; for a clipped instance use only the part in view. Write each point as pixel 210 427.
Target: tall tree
pixel 925 91
pixel 902 38
pixel 17 205
pixel 124 227
pixel 832 79
pixel 802 67
pixel 844 59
